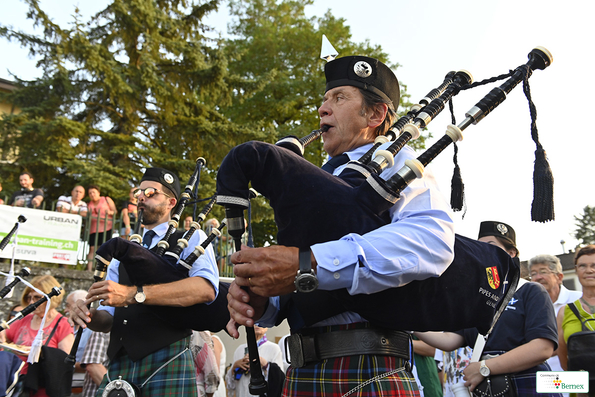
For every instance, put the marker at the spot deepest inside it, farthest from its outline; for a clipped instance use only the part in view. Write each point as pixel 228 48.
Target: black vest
pixel 137 331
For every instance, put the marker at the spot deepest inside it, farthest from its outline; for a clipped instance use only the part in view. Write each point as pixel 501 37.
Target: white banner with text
pixel 45 236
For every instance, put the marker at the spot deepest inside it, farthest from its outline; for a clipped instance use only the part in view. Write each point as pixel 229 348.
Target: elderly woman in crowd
pixel 57 332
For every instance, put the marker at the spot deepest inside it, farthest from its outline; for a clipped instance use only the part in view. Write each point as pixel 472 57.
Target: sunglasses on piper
pixel 149 192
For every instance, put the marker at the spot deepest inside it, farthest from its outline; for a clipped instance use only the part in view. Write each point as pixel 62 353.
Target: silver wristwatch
pixel 140 296
pixel 306 280
pixel 484 370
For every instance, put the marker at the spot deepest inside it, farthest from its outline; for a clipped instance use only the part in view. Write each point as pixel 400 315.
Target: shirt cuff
pixel 336 263
pixel 110 309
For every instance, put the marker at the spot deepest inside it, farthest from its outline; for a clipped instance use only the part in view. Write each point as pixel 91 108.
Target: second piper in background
pixel 146 351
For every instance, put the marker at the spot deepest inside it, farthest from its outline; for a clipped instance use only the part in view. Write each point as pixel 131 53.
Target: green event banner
pixel 45 236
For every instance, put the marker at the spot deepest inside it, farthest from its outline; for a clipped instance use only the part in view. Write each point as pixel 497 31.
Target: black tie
pixel 335 162
pixel 148 238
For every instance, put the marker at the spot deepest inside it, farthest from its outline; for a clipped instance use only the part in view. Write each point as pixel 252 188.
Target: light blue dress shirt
pixel 205 266
pixel 417 244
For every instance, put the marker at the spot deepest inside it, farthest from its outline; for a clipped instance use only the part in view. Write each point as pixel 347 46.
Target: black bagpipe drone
pixel 24 271
pixel 357 201
pixel 6 239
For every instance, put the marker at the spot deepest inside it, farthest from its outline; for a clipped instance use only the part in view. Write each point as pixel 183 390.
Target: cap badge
pixel 362 69
pixel 168 178
pixel 502 228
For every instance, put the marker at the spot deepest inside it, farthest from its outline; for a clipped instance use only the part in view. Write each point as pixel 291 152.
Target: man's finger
pixel 232 328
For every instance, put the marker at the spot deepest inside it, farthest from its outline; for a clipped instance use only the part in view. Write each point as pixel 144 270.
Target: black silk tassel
pixel 542 208
pixel 457 187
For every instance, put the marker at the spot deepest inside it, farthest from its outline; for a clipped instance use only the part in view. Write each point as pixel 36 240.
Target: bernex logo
pixel 565 381
pixel 493 277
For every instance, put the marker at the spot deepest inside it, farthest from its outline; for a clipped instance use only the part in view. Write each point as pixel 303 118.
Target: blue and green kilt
pixel 363 376
pixel 178 378
pixel 526 382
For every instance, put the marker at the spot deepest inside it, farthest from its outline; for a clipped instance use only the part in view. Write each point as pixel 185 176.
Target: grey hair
pixel 370 100
pixel 552 262
pixel 78 294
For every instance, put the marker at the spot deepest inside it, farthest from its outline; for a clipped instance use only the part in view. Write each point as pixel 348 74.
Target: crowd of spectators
pixel 100 214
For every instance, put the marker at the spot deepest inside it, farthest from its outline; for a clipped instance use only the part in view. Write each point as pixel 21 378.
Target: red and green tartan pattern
pixel 363 376
pixel 175 379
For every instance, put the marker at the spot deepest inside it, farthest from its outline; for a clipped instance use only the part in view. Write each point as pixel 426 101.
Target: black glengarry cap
pixel 165 177
pixel 363 72
pixel 498 229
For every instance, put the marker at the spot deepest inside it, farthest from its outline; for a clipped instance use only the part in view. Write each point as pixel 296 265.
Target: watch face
pixel 140 297
pixel 484 371
pixel 306 282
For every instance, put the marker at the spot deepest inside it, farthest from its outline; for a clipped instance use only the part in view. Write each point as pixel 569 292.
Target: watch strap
pixel 482 365
pixel 139 294
pixel 305 260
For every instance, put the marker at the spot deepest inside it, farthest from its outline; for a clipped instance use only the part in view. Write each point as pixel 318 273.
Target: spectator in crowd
pixel 70 301
pixel 453 364
pixel 426 368
pixel 55 326
pixel 568 322
pixel 101 207
pixel 79 373
pixel 129 212
pixel 14 310
pixel 73 204
pixel 547 271
pixel 207 367
pixel 238 376
pixel 94 361
pixel 28 196
pixel 187 222
pixel 220 356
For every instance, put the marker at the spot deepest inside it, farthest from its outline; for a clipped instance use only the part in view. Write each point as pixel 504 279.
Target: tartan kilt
pixel 177 378
pixel 361 376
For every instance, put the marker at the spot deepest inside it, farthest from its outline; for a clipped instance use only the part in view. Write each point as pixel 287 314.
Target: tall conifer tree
pixel 138 85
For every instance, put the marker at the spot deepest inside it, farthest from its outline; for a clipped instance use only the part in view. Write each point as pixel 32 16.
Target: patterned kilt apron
pixel 526 382
pixel 354 376
pixel 178 378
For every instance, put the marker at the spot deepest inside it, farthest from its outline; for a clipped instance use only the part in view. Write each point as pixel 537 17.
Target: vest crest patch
pixel 493 277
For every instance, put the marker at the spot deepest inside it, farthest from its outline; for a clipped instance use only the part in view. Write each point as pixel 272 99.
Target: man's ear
pixel 377 115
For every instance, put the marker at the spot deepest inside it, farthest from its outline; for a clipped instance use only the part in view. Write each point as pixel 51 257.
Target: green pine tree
pixel 139 84
pixel 585 226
